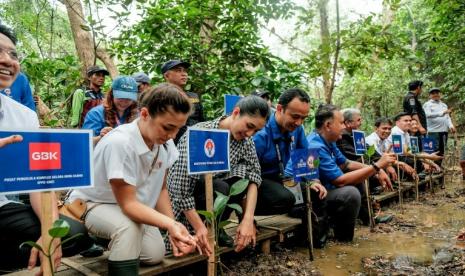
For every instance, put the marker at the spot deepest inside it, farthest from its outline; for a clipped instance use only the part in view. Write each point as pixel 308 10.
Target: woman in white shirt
pixel 130 201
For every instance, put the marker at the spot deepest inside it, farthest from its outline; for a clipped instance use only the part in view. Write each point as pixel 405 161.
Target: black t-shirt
pixel 413 106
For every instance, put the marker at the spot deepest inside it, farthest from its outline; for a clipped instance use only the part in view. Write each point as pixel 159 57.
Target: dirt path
pixel 421 240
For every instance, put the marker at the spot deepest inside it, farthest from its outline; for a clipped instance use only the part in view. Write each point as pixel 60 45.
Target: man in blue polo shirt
pixel 274 143
pixel 338 174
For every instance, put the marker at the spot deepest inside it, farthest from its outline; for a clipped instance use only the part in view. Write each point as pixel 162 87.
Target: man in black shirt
pixel 413 106
pixel 175 72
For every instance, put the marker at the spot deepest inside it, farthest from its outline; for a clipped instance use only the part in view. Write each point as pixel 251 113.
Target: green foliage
pixel 219 38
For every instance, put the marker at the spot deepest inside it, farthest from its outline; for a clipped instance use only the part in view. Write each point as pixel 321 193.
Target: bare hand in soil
pixel 245 234
pixel 202 236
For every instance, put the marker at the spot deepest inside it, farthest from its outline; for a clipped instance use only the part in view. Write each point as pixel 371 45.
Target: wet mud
pixel 422 239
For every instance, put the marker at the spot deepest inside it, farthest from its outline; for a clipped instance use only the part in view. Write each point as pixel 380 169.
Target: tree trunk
pixel 83 40
pixel 325 49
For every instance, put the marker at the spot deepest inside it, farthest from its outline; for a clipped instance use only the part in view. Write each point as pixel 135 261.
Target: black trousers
pixel 273 198
pixel 19 223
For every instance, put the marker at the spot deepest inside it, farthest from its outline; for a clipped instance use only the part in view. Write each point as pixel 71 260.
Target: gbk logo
pixel 44 156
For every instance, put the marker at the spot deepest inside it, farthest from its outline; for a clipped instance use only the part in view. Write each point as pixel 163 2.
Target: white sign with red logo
pixel 46 159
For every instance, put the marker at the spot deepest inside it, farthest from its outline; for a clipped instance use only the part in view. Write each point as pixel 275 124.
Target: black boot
pixel 123 268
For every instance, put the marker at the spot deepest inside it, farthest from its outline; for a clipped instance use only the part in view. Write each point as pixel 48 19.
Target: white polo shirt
pixel 405 137
pixel 380 145
pixel 18 116
pixel 123 154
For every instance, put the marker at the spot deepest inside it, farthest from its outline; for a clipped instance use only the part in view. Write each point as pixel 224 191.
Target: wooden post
pixel 417 177
pixel 309 220
pixel 46 223
pixel 399 181
pixel 211 226
pixel 370 207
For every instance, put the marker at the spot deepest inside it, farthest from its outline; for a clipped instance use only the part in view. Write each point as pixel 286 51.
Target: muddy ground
pixel 420 240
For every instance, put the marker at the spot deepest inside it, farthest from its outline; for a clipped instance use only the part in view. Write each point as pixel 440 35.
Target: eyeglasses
pixel 11 53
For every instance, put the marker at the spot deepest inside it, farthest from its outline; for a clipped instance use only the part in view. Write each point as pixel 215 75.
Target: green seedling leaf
pixel 60 228
pixel 220 203
pixel 223 223
pixel 32 244
pixel 370 151
pixel 238 187
pixel 236 207
pixel 316 162
pixel 208 215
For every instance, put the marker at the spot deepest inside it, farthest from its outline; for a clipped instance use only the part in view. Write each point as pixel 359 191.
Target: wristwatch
pixel 375 166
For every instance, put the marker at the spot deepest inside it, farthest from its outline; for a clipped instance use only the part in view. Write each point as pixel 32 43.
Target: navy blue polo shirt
pixel 265 141
pixel 330 159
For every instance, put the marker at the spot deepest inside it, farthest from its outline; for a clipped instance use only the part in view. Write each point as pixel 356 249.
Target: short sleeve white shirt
pixel 123 154
pixel 380 145
pixel 405 136
pixel 17 116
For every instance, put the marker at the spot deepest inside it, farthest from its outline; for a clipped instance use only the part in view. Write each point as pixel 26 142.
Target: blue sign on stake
pixel 230 102
pixel 305 164
pixel 428 145
pixel 414 145
pixel 207 150
pixel 397 145
pixel 46 159
pixel 359 142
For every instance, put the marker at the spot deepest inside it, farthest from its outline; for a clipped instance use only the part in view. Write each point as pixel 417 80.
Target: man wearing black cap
pixel 439 121
pixel 85 99
pixel 175 72
pixel 413 106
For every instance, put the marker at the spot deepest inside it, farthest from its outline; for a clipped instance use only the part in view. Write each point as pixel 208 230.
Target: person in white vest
pixel 438 118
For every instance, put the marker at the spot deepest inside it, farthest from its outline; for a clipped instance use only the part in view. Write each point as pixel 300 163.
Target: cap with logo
pixel 174 63
pixel 141 77
pixel 124 87
pixel 95 69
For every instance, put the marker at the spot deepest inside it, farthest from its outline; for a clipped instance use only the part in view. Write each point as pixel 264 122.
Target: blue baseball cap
pixel 174 63
pixel 124 87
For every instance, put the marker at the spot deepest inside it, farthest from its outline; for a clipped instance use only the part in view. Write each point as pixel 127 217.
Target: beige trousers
pixel 129 240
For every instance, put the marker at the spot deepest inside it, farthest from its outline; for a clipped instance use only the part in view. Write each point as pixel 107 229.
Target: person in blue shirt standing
pixel 283 133
pixel 20 91
pixel 338 174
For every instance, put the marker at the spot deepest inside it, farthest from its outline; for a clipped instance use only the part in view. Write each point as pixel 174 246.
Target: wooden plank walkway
pixel 269 227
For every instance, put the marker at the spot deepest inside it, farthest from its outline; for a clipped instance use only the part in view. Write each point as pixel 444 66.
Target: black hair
pixel 288 95
pixel 383 120
pixel 253 106
pixel 323 113
pixel 413 85
pixel 8 33
pixel 400 115
pixel 159 99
